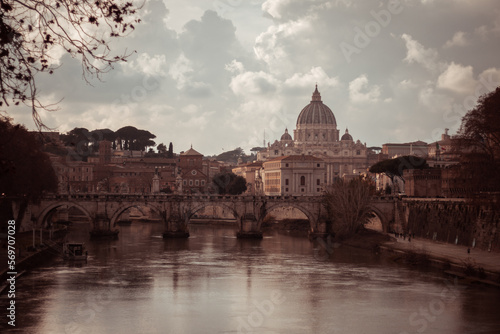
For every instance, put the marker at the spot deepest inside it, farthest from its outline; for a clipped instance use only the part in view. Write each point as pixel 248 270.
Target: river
pixel 215 283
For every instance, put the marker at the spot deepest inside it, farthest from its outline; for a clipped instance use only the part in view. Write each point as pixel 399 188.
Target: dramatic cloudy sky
pixel 216 74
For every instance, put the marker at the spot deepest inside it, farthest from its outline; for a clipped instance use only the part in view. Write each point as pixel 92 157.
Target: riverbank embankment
pixel 28 257
pixel 470 264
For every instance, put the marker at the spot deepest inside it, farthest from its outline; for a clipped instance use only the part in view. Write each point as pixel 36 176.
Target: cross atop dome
pixel 316 95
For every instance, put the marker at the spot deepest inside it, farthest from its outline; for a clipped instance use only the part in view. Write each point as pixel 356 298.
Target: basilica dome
pixel 316 112
pixel 286 136
pixel 346 136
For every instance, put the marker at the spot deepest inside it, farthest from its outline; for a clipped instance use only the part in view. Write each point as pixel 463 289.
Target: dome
pixel 346 136
pixel 316 112
pixel 286 136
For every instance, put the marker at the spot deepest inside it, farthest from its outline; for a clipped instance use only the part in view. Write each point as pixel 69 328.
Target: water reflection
pixel 215 283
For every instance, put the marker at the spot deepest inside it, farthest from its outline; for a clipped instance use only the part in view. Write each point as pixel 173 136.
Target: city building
pixel 417 148
pixel 441 153
pixel 293 175
pixel 250 171
pixel 316 134
pixel 192 175
pixel 423 182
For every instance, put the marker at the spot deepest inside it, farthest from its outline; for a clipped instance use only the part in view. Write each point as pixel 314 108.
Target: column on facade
pixel 309 186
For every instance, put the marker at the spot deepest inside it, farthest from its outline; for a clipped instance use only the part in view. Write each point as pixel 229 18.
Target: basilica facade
pixel 317 135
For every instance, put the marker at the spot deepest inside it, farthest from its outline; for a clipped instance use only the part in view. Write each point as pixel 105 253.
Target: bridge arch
pixel 380 215
pixel 118 212
pixel 42 217
pixel 199 206
pixel 310 216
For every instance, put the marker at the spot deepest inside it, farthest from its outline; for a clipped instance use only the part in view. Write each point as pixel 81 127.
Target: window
pixel 185 182
pixel 276 152
pixel 286 189
pixel 197 183
pixel 202 182
pixel 302 189
pixel 286 165
pixel 302 180
pixel 190 182
pixel 358 152
pixel 286 182
pixel 318 182
pixel 318 165
pixel 317 190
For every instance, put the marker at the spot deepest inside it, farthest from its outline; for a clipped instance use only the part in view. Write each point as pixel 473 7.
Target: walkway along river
pixel 215 283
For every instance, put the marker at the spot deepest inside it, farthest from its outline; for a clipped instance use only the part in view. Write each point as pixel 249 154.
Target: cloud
pixel 278 47
pixel 275 7
pixel 457 78
pixel 316 75
pixel 254 83
pixel 417 53
pixel 180 70
pixel 149 65
pixel 459 39
pixel 361 92
pixel 252 65
pixel 235 67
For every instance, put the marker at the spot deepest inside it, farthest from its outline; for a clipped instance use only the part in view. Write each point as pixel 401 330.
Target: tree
pixel 347 205
pixel 102 134
pixel 162 149
pixel 26 172
pixel 229 183
pixel 170 153
pixel 231 156
pixel 478 144
pixel 79 140
pixel 135 139
pixel 395 167
pixel 31 29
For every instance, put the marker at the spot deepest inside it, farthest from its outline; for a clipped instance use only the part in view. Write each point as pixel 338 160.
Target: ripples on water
pixel 215 283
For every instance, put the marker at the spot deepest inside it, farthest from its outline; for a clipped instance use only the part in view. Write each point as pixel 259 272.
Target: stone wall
pixel 454 222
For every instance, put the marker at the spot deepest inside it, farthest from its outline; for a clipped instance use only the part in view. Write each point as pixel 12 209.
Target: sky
pixel 221 74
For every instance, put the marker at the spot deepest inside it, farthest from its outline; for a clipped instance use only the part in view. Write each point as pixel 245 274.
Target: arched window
pixel 302 180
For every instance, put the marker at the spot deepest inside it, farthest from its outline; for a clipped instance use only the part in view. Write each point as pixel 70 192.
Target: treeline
pixel 234 156
pixel 126 138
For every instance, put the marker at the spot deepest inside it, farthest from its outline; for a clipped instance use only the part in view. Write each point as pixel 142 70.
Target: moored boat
pixel 74 251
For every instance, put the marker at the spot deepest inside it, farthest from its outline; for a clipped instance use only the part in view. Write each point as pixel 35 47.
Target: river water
pixel 215 283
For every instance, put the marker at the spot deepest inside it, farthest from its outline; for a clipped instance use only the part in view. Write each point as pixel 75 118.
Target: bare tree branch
pixel 31 29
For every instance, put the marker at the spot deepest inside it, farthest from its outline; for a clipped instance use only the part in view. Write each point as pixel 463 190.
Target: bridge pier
pixel 319 229
pixel 176 228
pixel 102 227
pixel 101 222
pixel 249 228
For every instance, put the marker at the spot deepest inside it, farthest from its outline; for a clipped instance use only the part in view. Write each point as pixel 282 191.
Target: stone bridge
pixel 104 210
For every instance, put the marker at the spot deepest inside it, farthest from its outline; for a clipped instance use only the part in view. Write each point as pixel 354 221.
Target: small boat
pixel 74 251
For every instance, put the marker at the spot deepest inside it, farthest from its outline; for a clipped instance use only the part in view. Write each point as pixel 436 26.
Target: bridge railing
pixel 190 197
pixel 176 197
